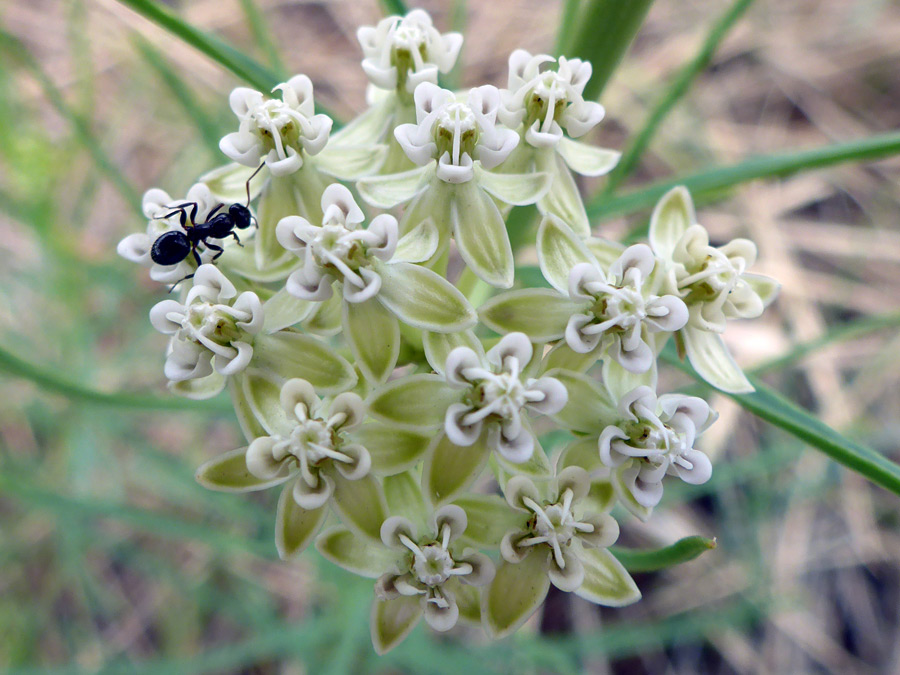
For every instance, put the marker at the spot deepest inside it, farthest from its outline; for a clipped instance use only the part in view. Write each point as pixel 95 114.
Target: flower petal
pixel 291 354
pixel 606 581
pixel 360 504
pixel 563 200
pixel 260 392
pixel 283 310
pixel 450 468
pixel 585 159
pixel 765 287
pixel 404 497
pixel 229 473
pixel 386 192
pixel 515 594
pixel 295 527
pixel 355 554
pixel 392 450
pixel 392 620
pixel 711 359
pixel 228 184
pixel 419 244
pixel 490 517
pixel 540 313
pixel 589 408
pixel 374 338
pixel 671 218
pixel 559 249
pixel 417 402
pixel 517 189
pixel 480 234
pixel 351 162
pixel 439 345
pixel 423 299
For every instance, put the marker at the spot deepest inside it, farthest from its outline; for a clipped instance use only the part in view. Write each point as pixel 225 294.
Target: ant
pixel 172 247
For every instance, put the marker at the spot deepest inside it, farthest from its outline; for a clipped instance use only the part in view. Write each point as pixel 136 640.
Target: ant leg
pixel 213 212
pixel 189 276
pixel 213 247
pixel 252 176
pixel 234 234
pixel 196 255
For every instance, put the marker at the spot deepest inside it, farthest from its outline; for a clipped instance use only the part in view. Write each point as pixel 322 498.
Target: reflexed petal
pixel 589 408
pixel 514 345
pixel 625 495
pixel 392 450
pixel 585 159
pixel 450 468
pixel 395 527
pixel 563 200
pixel 279 200
pixel 392 620
pixel 419 244
pixel 671 218
pixel 229 473
pixel 490 517
pixel 295 527
pixel 360 503
pixel 291 354
pixel 367 128
pixel 563 357
pixel 606 531
pixel 540 313
pixel 416 402
pixel 386 192
pixel 355 554
pixel 262 392
pixel 374 338
pixel 439 345
pixel 424 299
pixel 571 576
pixel 711 359
pixel 515 594
pixel 200 388
pixel 606 581
pixel 442 619
pixel 765 287
pixel 360 461
pixel 700 471
pixel 480 234
pixel 351 162
pixel 517 189
pixel 559 250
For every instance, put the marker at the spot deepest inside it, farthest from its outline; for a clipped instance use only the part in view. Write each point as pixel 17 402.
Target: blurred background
pixel 113 560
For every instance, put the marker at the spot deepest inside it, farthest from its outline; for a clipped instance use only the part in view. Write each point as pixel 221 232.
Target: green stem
pixel 263 36
pixel 681 551
pixel 394 7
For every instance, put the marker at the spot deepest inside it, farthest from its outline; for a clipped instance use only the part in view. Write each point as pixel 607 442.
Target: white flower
pixel 156 205
pixel 213 329
pixel 314 446
pixel 402 52
pixel 429 565
pixel 456 133
pixel 276 131
pixel 548 101
pixel 497 396
pixel 656 437
pixel 339 250
pixel 623 310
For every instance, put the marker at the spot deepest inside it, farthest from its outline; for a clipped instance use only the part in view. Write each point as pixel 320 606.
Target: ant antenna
pixel 252 176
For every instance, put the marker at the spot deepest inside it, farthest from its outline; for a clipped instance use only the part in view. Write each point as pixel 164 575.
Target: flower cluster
pixel 384 371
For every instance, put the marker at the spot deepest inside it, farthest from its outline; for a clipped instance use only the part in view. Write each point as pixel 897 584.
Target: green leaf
pixel 416 402
pixel 290 354
pixel 348 163
pixel 295 527
pixel 386 192
pixel 355 554
pixel 480 234
pixel 563 199
pixel 422 298
pixel 681 551
pixel 585 159
pixel 590 408
pixel 559 249
pixel 515 594
pixel 374 338
pixel 450 468
pixel 228 473
pixel 360 504
pixel 673 215
pixel 404 497
pixel 392 450
pixel 606 581
pixel 617 22
pixel 711 359
pixel 542 314
pixel 439 345
pixel 517 189
pixel 283 310
pixel 490 517
pixel 392 620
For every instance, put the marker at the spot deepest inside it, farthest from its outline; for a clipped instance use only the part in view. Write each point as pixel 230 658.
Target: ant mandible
pixel 170 248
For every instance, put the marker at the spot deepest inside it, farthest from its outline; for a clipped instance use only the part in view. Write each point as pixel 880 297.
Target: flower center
pixel 554 525
pixel 504 392
pixel 434 566
pixel 205 322
pixel 335 247
pixel 547 100
pixel 456 131
pixel 716 275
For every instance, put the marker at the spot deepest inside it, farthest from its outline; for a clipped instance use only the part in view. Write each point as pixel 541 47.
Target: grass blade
pixel 769 405
pixel 393 7
pixel 708 182
pixel 262 35
pixel 676 90
pixel 607 28
pixel 49 380
pixel 566 24
pixel 681 551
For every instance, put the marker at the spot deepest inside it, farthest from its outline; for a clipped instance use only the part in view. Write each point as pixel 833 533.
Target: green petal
pixel 515 594
pixel 258 393
pixel 325 318
pixel 228 473
pixel 480 235
pixel 355 554
pixel 588 160
pixel 518 189
pixel 711 359
pixel 563 199
pixel 415 402
pixel 279 199
pixel 450 468
pixel 295 527
pixel 374 338
pixel 283 310
pixel 291 354
pixel 765 287
pixel 368 127
pixel 424 299
pixel 559 250
pixel 360 504
pixel 228 183
pixel 439 345
pixel 404 497
pixel 201 388
pixel 392 450
pixel 468 599
pixel 619 381
pixel 419 244
pixel 605 251
pixel 490 517
pixel 625 497
pixel 347 162
pixel 242 262
pixel 537 466
pixel 431 203
pixel 562 357
pixel 671 218
pixel 590 408
pixel 584 453
pixel 392 620
pixel 250 425
pixel 606 581
pixel 386 192
pixel 540 313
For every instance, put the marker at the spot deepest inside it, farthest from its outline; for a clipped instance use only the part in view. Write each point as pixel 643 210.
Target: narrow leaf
pixel 681 551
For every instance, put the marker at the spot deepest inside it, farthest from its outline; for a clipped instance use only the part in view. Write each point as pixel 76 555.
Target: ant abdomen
pixel 170 248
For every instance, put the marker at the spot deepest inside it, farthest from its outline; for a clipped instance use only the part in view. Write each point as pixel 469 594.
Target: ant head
pixel 170 248
pixel 240 216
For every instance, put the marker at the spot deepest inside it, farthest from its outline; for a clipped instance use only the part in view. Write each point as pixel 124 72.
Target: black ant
pixel 170 248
